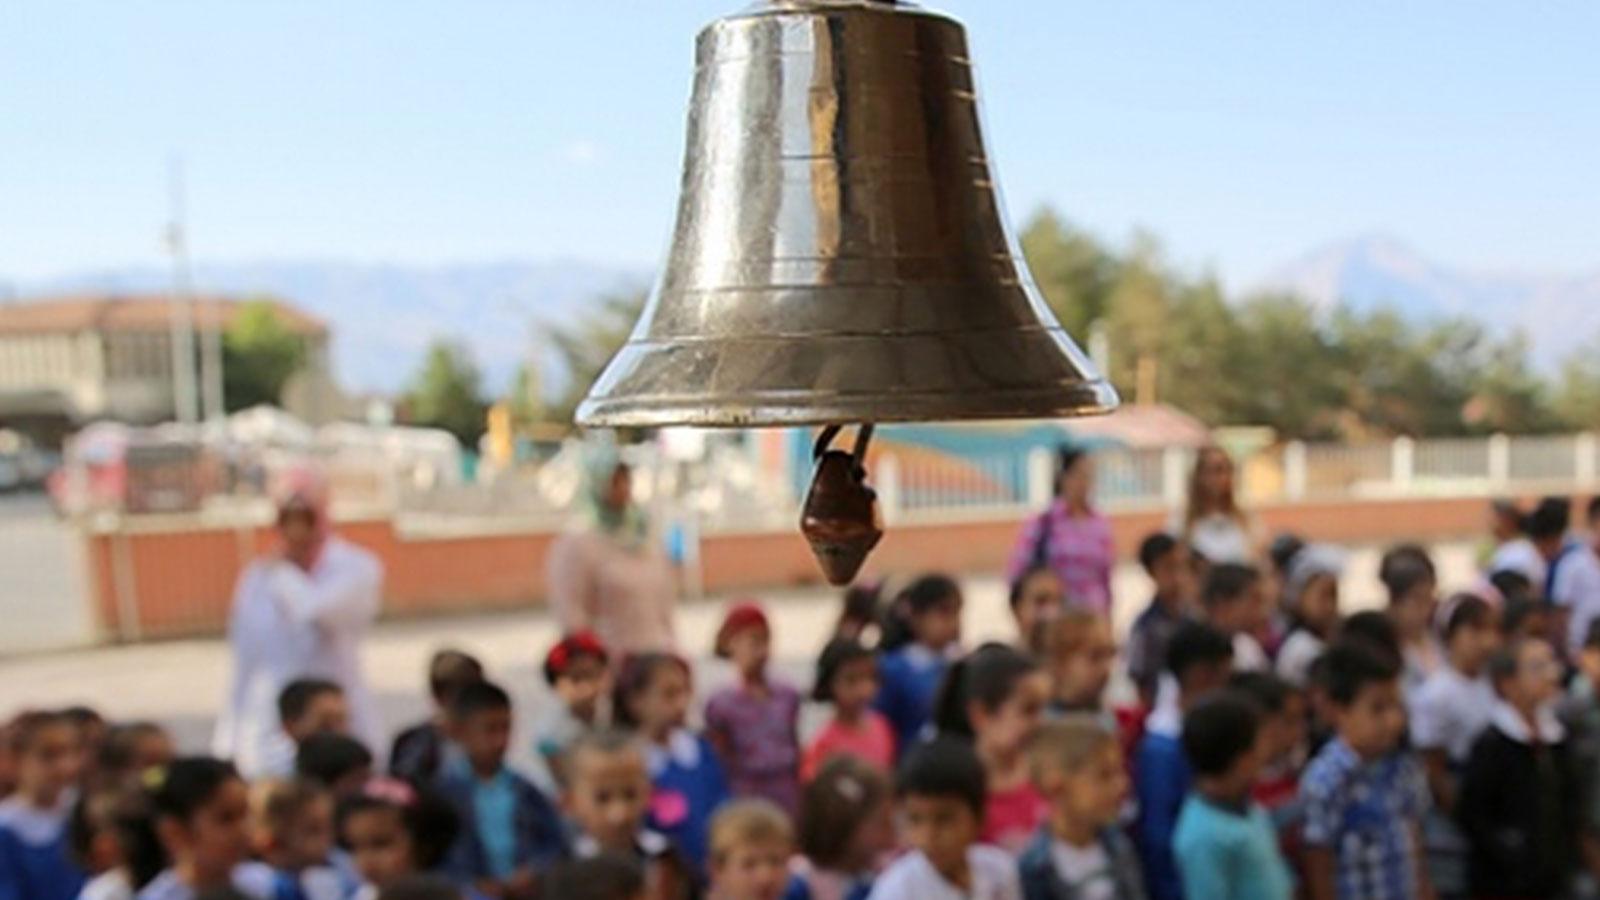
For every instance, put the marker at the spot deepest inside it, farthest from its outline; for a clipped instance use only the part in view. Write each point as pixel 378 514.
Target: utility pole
pixel 185 398
pixel 210 322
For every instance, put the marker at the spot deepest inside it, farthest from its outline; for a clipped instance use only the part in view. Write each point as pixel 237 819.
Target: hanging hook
pixel 824 439
pixel 858 453
pixel 840 516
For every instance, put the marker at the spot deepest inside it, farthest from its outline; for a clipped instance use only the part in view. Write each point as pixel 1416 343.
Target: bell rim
pixel 794 409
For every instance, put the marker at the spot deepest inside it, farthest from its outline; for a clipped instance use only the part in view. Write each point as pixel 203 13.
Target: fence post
pixel 1402 463
pixel 1041 472
pixel 693 568
pixel 1499 461
pixel 124 582
pixel 1584 447
pixel 886 481
pixel 1294 470
pixel 1173 478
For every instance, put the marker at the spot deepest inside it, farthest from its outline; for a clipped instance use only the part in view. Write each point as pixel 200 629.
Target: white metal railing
pixel 729 488
pixel 1009 483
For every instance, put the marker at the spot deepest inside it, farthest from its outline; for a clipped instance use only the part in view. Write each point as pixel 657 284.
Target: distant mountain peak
pixel 1367 270
pixel 1380 271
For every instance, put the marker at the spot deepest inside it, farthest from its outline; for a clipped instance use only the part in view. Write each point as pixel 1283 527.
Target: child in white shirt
pixel 941 793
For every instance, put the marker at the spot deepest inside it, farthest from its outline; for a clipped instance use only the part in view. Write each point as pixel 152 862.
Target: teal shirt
pixel 1223 855
pixel 494 805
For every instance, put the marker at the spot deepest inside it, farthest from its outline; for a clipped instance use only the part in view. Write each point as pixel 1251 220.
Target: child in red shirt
pixel 847 677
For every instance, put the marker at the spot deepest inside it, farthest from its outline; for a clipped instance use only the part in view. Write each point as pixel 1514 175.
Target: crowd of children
pixel 1267 745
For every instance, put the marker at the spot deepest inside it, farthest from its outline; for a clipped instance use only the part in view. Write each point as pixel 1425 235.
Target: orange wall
pixel 182 580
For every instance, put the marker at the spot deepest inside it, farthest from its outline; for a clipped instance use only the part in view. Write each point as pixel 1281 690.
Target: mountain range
pixel 1558 312
pixel 384 315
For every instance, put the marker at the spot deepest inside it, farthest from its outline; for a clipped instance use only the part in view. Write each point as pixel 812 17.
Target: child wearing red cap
pixel 576 670
pixel 754 724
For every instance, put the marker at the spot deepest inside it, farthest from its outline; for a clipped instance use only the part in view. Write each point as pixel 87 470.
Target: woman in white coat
pixel 300 612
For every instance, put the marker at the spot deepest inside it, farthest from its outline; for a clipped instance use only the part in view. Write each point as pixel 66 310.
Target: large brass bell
pixel 840 253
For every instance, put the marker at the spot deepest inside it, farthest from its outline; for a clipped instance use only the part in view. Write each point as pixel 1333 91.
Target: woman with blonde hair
pixel 1212 522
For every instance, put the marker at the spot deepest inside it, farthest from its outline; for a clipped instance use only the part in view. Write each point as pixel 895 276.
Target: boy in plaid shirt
pixel 1364 797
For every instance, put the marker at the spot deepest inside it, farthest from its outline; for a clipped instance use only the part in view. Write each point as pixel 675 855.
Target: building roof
pixel 1143 425
pixel 137 313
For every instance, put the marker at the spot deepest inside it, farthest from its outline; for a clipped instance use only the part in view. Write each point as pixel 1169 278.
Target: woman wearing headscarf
pixel 1212 522
pixel 606 574
pixel 1071 537
pixel 300 612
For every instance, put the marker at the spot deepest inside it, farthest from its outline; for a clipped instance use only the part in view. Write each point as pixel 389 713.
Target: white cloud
pixel 580 152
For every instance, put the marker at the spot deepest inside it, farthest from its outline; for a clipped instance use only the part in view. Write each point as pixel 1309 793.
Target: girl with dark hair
pixel 996 697
pixel 653 694
pixel 1070 537
pixel 393 832
pixel 1412 583
pixel 94 836
pixel 847 678
pixel 920 635
pixel 195 835
pixel 34 861
pixel 1038 597
pixel 1447 713
pixel 846 826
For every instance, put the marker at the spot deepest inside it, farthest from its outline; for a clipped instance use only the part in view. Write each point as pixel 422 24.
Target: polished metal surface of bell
pixel 840 254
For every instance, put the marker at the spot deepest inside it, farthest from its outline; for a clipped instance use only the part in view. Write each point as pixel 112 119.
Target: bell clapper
pixel 840 519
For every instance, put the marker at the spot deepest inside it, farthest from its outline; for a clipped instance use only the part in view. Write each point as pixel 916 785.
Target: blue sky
pixel 1242 133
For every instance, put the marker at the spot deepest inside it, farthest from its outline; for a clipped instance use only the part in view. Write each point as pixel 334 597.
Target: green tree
pixel 584 347
pixel 1576 398
pixel 447 393
pixel 1276 360
pixel 524 397
pixel 1138 311
pixel 1507 395
pixel 1447 377
pixel 1075 274
pixel 259 356
pixel 1282 369
pixel 1199 350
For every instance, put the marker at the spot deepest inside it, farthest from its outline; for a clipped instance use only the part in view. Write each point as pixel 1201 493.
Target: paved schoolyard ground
pixel 181 683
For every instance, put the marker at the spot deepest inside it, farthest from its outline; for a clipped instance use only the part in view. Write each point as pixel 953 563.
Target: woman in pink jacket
pixel 608 574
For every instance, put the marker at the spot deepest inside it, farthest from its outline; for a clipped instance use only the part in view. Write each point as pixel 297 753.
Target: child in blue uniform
pixel 34 859
pixel 293 833
pixel 923 632
pixel 653 693
pixel 509 830
pixel 1199 658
